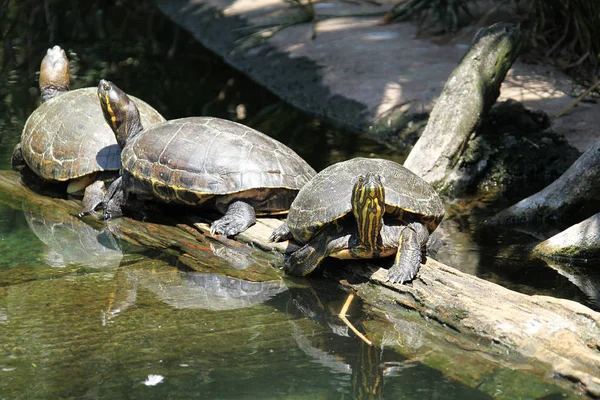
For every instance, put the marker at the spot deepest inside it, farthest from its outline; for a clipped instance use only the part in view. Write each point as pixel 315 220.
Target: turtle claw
pixel 280 234
pixel 227 226
pixel 400 275
pixel 239 217
pixel 287 266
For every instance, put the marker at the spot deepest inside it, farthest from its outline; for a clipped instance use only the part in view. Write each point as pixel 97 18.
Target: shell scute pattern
pixel 327 197
pixel 67 137
pixel 211 156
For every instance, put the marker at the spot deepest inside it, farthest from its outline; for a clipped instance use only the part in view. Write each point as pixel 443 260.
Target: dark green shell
pixel 327 196
pixel 189 160
pixel 67 137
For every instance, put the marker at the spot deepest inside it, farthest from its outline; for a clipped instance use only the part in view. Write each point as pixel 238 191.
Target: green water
pixel 59 340
pixel 85 316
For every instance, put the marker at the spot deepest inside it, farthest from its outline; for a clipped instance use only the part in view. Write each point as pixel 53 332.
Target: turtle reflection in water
pixel 345 356
pixel 194 290
pixel 200 161
pixel 66 140
pixel 213 292
pixel 362 208
pixel 70 241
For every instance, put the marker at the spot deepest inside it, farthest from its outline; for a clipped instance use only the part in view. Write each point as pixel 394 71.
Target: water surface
pixel 85 316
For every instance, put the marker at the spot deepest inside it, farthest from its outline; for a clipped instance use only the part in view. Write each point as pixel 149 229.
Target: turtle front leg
pixel 281 233
pixel 238 217
pixel 114 200
pixel 93 196
pixel 304 260
pixel 408 258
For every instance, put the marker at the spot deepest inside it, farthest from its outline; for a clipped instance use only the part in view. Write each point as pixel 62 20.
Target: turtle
pixel 201 161
pixel 66 138
pixel 362 208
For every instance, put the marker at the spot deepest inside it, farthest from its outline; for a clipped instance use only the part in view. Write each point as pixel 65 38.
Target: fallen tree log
pixel 439 156
pixel 579 242
pixel 504 329
pixel 561 333
pixel 574 192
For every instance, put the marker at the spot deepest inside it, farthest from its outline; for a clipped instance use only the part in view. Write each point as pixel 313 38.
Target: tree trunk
pixel 473 87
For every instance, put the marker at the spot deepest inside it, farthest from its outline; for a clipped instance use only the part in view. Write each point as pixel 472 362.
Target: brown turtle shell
pixel 327 197
pixel 67 137
pixel 190 160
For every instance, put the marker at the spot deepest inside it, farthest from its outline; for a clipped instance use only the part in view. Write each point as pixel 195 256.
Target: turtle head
pixel 368 207
pixel 54 73
pixel 120 112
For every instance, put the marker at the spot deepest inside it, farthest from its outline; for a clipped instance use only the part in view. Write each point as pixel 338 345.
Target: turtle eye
pixel 361 179
pixel 106 86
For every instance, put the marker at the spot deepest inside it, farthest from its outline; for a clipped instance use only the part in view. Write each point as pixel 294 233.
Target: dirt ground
pixel 355 71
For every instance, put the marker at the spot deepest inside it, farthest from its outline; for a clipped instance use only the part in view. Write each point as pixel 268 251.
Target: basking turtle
pixel 205 161
pixel 362 208
pixel 66 138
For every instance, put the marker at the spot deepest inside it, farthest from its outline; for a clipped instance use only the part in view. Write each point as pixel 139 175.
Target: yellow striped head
pixel 120 112
pixel 368 207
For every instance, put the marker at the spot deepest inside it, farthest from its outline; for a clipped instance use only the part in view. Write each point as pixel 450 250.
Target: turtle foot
pixel 92 198
pixel 280 234
pixel 239 217
pixel 401 275
pixel 228 226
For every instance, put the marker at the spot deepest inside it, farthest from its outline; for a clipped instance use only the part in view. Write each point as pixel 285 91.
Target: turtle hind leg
pixel 281 233
pixel 408 259
pixel 238 217
pixel 304 260
pixel 17 160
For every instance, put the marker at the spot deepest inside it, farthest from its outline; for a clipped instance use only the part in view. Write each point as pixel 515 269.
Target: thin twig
pixel 581 97
pixel 342 316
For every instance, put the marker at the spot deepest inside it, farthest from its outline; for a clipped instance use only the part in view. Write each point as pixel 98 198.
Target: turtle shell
pixel 67 137
pixel 189 160
pixel 327 197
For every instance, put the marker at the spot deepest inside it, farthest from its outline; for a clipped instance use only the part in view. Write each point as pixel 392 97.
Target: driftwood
pixel 454 311
pixel 577 188
pixel 440 156
pixel 580 241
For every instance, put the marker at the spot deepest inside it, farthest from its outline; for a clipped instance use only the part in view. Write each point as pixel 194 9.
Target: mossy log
pixel 440 156
pixel 574 193
pixel 561 334
pixel 580 242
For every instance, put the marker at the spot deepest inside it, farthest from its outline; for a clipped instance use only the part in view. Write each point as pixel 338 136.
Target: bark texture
pixel 580 241
pixel 576 191
pixel 471 90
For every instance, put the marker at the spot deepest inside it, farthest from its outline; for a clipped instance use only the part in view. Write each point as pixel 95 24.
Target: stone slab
pixel 355 70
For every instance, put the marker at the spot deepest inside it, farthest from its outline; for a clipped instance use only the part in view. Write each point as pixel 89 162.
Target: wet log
pixel 574 192
pixel 202 253
pixel 580 241
pixel 491 320
pixel 440 156
pixel 561 333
